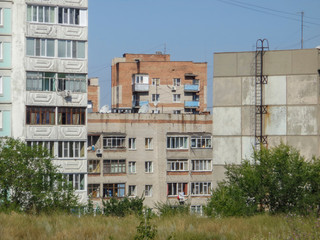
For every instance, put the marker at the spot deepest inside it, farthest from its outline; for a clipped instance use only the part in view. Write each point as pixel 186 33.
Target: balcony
pixel 191 88
pixel 140 87
pixel 139 103
pixel 191 104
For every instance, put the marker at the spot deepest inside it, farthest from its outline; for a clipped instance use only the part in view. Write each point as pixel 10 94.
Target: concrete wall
pixel 291 96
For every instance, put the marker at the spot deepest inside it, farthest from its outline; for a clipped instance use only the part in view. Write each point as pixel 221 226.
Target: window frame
pixel 96 166
pixel 173 188
pixel 132 167
pixel 155 81
pixel 49 145
pixel 148 167
pixel 132 190
pixel 40 47
pixel 71 149
pixel 201 165
pixel 76 181
pixel 201 142
pixel 38 115
pixel 30 18
pixel 69 49
pixel 173 164
pixel 148 143
pixel 132 143
pixel 111 142
pixel 174 142
pixel 93 187
pixel 176 98
pixel 114 166
pixel 200 188
pixel 76 19
pixel 155 97
pixel 115 188
pixel 71 116
pixel 148 190
pixel 177 82
pixel 1 85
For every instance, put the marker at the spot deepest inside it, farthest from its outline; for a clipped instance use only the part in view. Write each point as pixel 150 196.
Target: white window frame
pixel 155 81
pixel 196 209
pixel 1 16
pixel 49 145
pixel 201 142
pixel 42 45
pixel 177 187
pixel 1 119
pixel 71 49
pixel 132 167
pixel 111 142
pixel 1 85
pixel 176 82
pixel 148 190
pixel 201 165
pixel 132 143
pixel 200 188
pixel 155 97
pixel 76 180
pixel 132 190
pixel 148 167
pixel 140 79
pixel 1 50
pixel 36 8
pixel 177 142
pixel 67 21
pixel 177 165
pixel 177 98
pixel 71 146
pixel 176 111
pixel 148 143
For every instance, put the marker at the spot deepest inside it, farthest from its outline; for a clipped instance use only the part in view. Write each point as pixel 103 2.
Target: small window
pixel 132 190
pixel 148 167
pixel 176 111
pixel 132 143
pixel 90 106
pixel 176 82
pixel 148 143
pixel 155 81
pixel 155 97
pixel 148 191
pixel 176 97
pixel 132 167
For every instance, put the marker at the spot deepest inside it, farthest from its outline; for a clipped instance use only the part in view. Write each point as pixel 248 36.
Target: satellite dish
pixel 105 109
pixel 318 47
pixel 144 108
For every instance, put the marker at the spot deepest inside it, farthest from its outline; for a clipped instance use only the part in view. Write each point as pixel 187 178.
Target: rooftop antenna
pixel 165 48
pixel 302 13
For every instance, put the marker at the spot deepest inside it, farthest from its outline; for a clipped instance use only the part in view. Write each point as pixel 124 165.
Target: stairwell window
pixel 40 14
pixel 71 49
pixel 40 47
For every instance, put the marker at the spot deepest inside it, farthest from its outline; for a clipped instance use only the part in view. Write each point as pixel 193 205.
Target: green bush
pixel 168 209
pixel 122 207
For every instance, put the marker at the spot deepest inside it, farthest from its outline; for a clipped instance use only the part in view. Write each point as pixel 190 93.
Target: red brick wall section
pixel 93 95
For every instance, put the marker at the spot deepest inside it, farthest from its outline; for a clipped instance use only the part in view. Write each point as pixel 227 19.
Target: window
pixel 148 143
pixel 41 14
pixel 1 121
pixel 113 142
pixel 176 97
pixel 132 143
pixel 90 106
pixel 196 209
pixel 1 16
pixel 148 166
pixel 176 111
pixel 132 167
pixel 94 190
pixel 92 140
pixel 140 79
pixel 71 149
pixel 49 145
pixel 132 190
pixel 69 16
pixel 1 84
pixel 113 190
pixel 114 166
pixel 76 180
pixel 155 81
pixel 41 81
pixel 201 142
pixel 71 49
pixel 176 82
pixel 40 115
pixel 201 188
pixel 177 142
pixel 175 188
pixel 177 165
pixel 94 166
pixel 1 50
pixel 71 116
pixel 148 190
pixel 201 165
pixel 73 82
pixel 155 97
pixel 40 47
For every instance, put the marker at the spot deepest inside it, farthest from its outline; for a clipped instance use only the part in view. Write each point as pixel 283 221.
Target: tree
pixel 278 180
pixel 29 181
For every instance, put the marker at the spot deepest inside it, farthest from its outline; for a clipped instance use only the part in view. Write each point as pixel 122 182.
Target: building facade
pixel 265 97
pixel 48 80
pixel 162 85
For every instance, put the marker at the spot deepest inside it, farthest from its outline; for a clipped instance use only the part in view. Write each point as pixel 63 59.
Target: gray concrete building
pixel 265 97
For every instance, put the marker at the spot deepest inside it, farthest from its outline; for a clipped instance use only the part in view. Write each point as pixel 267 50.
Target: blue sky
pixel 192 30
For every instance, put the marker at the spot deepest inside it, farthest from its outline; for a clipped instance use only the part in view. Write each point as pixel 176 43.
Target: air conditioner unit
pixel 174 88
pixel 99 151
pixel 67 93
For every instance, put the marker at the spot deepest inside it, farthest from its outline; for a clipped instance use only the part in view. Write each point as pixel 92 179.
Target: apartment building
pixel 47 80
pixel 265 97
pixel 152 83
pixel 5 68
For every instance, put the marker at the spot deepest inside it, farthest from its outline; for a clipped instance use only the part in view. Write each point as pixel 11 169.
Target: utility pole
pixel 302 13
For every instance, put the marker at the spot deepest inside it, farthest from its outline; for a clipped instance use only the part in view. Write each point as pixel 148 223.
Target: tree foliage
pixel 278 180
pixel 123 207
pixel 29 181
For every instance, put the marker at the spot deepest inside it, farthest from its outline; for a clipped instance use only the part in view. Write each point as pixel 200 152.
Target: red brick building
pixel 163 86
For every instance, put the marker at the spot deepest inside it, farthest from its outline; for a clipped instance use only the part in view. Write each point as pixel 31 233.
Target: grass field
pixel 59 226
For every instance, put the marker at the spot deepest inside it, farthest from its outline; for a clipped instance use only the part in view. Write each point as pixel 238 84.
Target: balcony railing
pixel 191 104
pixel 191 88
pixel 140 87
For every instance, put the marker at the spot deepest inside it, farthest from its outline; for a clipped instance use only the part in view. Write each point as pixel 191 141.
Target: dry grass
pixel 59 226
